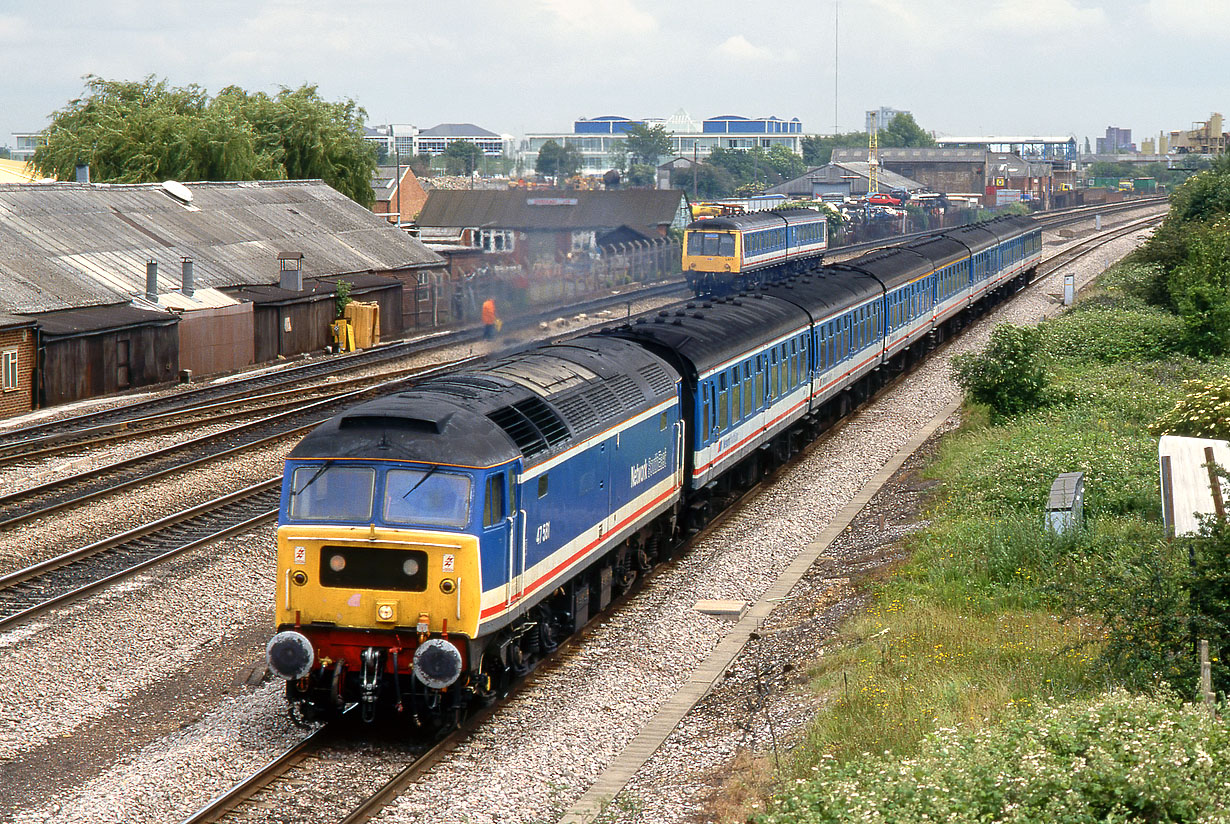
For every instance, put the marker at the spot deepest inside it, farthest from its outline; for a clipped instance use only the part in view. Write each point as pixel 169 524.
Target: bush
pixel 1110 334
pixel 1115 758
pixel 1007 376
pixel 1203 412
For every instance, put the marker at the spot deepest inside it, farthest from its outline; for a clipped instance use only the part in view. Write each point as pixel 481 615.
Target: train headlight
pixel 299 577
pixel 337 562
pixel 437 663
pixel 410 566
pixel 386 611
pixel 447 586
pixel 289 655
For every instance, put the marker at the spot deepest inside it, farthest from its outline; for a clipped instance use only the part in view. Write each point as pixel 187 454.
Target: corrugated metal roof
pixel 549 210
pixel 66 245
pixel 83 321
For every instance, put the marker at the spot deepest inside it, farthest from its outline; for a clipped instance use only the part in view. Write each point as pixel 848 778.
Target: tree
pixel 642 175
pixel 818 150
pixel 711 181
pixel 557 160
pixel 148 131
pixel 461 157
pixel 647 144
pixel 902 131
pixel 1008 376
pixel 4 153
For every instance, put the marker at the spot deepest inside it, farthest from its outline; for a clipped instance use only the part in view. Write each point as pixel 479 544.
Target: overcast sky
pixel 516 66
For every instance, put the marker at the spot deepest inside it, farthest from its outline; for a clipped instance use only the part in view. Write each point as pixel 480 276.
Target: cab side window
pixel 493 505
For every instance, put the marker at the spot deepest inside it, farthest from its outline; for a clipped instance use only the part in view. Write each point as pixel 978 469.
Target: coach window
pixel 493 506
pixel 736 396
pixel 542 486
pixel 773 371
pixel 727 247
pixel 749 403
pixel 723 404
pixel 760 369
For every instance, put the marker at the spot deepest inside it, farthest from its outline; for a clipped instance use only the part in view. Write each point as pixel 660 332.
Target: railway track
pixel 55 582
pixel 213 412
pixel 418 766
pixel 293 378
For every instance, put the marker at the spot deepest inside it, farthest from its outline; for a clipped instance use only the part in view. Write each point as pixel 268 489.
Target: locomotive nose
pixel 437 663
pixel 289 655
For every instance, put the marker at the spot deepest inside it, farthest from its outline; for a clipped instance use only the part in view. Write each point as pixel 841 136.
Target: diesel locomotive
pixel 737 253
pixel 435 543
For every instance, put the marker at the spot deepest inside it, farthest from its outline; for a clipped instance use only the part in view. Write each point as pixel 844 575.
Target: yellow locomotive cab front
pixel 711 251
pixel 416 582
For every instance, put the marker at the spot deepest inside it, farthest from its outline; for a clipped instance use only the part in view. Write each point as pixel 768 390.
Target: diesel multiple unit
pixel 435 543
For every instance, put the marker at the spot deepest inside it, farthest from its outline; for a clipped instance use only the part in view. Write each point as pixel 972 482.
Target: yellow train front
pixel 379 588
pixel 739 252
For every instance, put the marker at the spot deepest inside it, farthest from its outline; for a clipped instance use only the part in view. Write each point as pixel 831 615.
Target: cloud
pixel 1211 18
pixel 738 47
pixel 1046 17
pixel 601 17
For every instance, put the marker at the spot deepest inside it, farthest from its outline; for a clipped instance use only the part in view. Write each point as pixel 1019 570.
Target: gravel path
pixel 137 703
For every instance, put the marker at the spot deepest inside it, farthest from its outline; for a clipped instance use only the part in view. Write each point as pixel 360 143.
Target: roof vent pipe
pixel 151 281
pixel 189 286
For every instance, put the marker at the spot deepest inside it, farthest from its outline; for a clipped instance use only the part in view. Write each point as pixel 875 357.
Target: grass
pixel 909 667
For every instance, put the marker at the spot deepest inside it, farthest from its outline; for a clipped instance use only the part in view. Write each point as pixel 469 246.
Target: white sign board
pixel 1186 490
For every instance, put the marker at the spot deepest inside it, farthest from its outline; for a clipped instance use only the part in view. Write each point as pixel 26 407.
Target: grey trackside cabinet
pixel 1065 510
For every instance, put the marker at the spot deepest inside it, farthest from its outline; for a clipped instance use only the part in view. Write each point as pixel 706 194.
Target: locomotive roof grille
pixel 657 379
pixel 393 422
pixel 533 426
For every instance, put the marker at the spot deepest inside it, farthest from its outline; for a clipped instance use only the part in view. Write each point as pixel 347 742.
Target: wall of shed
pixel 217 340
pixel 418 304
pixel 289 329
pixel 88 366
pixel 19 400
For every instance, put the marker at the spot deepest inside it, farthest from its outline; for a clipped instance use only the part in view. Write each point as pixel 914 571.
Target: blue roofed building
pixel 597 139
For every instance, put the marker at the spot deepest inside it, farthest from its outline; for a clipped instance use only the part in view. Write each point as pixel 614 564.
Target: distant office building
pixel 435 140
pixel 1116 141
pixel 880 118
pixel 406 140
pixel 395 139
pixel 598 139
pixel 24 144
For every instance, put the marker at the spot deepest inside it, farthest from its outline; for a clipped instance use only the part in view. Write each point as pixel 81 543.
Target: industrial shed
pixel 79 255
pixel 105 349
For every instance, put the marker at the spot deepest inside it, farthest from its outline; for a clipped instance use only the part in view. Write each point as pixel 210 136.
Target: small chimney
pixel 83 172
pixel 151 281
pixel 189 286
pixel 291 271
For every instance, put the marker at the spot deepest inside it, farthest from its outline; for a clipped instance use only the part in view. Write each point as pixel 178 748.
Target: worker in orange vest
pixel 489 319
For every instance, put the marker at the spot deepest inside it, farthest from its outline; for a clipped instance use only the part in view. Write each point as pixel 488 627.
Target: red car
pixel 881 199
